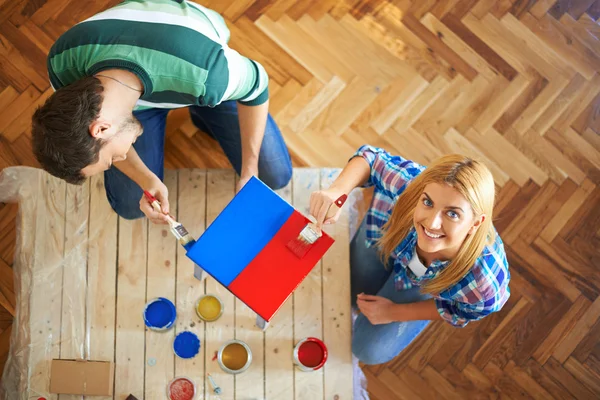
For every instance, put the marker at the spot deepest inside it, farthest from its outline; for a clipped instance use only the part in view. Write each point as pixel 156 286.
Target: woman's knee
pixel 370 351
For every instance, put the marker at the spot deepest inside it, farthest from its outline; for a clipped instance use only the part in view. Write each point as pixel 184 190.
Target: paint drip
pixel 234 356
pixel 181 389
pixel 209 308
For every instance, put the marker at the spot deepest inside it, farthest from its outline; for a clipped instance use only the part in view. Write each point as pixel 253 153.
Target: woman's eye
pixel 452 214
pixel 427 202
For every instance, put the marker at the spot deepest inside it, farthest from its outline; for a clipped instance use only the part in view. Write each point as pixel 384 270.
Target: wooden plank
pixel 561 330
pixel 101 275
pixel 160 282
pixel 191 212
pixel 477 43
pixel 47 281
pixel 73 333
pixel 565 44
pixel 440 47
pixel 337 322
pixel 308 297
pixel 131 299
pixel 279 342
pixel 580 330
pixel 220 187
pixel 567 210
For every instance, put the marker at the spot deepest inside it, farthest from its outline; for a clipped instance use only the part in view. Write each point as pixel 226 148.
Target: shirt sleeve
pixel 248 81
pixel 389 174
pixel 460 313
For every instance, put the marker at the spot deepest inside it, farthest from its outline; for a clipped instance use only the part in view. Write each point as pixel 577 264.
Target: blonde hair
pixel 474 181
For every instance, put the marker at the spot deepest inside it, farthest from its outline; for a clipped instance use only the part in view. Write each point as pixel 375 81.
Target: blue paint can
pixel 160 314
pixel 186 345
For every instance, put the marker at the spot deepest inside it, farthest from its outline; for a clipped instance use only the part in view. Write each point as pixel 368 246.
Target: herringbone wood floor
pixel 514 82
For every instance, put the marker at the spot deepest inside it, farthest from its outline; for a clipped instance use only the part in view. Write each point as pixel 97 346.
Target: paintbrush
pixel 311 233
pixel 177 229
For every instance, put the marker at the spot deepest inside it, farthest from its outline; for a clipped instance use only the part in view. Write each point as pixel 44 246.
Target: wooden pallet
pixel 86 275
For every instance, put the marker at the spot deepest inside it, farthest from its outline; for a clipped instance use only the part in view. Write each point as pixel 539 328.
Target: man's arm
pixel 253 120
pixel 137 171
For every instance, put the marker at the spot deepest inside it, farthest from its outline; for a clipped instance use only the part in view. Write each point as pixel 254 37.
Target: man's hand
pixel 243 180
pixel 377 309
pixel 160 191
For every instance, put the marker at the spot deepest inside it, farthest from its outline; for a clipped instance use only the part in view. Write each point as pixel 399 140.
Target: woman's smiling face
pixel 443 218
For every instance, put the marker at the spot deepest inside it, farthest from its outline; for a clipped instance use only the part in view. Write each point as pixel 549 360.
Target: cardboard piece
pixel 92 378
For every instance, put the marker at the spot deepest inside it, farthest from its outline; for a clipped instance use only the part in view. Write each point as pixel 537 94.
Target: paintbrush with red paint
pixel 310 233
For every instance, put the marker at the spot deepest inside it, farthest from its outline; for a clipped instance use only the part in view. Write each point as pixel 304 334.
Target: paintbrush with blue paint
pixel 177 229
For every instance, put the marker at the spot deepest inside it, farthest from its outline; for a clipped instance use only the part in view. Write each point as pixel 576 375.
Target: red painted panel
pixel 276 272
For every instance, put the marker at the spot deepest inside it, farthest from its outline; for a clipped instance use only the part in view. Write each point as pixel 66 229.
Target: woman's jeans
pixel 220 122
pixel 377 344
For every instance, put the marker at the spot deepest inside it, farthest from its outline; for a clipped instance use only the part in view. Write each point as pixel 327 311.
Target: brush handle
pixel 334 208
pixel 157 206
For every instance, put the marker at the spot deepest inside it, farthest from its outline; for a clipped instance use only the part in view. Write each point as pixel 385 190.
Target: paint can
pixel 181 388
pixel 310 354
pixel 209 307
pixel 234 357
pixel 159 314
pixel 186 345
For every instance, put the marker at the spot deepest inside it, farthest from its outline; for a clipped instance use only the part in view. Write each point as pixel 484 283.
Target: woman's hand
pixel 160 191
pixel 377 309
pixel 320 201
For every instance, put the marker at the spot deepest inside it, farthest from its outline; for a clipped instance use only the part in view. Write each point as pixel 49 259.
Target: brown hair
pixel 60 130
pixel 473 180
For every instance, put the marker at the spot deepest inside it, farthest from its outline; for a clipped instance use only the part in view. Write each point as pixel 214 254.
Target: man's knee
pixel 126 209
pixel 278 179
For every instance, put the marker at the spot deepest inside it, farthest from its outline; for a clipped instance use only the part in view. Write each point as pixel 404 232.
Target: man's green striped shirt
pixel 178 49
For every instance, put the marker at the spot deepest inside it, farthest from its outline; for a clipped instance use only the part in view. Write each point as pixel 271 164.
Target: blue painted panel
pixel 240 231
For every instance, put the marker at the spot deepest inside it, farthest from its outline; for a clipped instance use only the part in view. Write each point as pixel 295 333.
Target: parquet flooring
pixel 513 82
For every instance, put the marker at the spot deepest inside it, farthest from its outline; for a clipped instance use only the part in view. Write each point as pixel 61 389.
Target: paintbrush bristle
pixel 302 244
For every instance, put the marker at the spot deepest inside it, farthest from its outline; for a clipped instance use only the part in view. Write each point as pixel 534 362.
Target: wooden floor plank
pixel 160 282
pixel 308 312
pixel 132 259
pixel 191 210
pixel 220 186
pixel 101 302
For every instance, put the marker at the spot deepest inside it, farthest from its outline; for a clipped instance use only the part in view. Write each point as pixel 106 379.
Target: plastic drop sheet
pixel 51 271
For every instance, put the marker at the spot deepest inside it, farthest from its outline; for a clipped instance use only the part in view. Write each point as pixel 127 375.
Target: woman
pixel 427 249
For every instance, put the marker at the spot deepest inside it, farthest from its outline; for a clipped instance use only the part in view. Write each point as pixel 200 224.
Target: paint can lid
pixel 186 344
pixel 160 314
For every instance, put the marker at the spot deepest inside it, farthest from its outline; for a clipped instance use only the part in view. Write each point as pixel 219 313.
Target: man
pixel 116 76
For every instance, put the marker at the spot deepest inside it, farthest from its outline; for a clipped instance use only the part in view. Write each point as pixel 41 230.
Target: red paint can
pixel 181 388
pixel 310 354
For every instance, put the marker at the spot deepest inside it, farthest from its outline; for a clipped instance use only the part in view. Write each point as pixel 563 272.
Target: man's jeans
pixel 377 344
pixel 221 122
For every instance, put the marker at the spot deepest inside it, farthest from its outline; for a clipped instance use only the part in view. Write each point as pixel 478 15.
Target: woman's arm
pixel 355 174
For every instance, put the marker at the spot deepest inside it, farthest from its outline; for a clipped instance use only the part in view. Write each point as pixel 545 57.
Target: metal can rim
pixel 303 367
pixel 220 303
pixel 220 357
pixel 177 378
pixel 171 306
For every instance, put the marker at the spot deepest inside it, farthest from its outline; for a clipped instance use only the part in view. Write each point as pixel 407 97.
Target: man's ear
pixel 478 221
pixel 99 129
